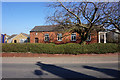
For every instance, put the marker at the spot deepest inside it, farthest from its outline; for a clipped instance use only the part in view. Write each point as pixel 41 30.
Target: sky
pixel 20 17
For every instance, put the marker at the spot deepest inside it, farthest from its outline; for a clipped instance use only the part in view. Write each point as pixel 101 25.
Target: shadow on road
pixel 38 72
pixel 60 72
pixel 110 72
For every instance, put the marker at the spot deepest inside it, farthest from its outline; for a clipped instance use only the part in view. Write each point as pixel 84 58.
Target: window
pixel 89 38
pixel 59 37
pixel 36 40
pixel 73 37
pixel 21 40
pixel 46 37
pixel 36 33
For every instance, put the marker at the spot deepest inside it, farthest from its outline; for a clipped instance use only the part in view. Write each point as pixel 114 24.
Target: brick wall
pixel 65 39
pixel 94 37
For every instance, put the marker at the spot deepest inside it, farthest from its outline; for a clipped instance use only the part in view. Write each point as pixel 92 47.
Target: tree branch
pixel 71 12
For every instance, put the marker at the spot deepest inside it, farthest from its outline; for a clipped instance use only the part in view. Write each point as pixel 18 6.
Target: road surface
pixel 60 67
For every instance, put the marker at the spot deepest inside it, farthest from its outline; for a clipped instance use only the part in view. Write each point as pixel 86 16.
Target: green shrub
pixel 69 48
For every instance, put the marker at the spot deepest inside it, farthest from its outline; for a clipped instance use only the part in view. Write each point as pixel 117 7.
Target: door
pixel 15 41
pixel 36 40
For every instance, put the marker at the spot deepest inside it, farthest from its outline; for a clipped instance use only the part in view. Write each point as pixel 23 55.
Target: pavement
pixel 60 67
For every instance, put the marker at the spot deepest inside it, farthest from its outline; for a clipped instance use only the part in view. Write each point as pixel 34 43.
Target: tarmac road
pixel 60 67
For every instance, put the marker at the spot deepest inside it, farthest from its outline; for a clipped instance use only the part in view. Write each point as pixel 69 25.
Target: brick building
pixel 50 34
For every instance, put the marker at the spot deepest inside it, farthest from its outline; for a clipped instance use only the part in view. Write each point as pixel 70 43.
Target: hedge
pixel 69 48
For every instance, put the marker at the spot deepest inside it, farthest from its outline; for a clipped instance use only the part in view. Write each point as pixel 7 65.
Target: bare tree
pixel 111 16
pixel 83 17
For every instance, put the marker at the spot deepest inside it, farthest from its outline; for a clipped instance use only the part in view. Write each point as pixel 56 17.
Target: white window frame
pixel 72 35
pixel 60 36
pixel 36 33
pixel 45 37
pixel 89 38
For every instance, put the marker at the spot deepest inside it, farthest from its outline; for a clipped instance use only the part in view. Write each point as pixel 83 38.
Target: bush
pixel 69 48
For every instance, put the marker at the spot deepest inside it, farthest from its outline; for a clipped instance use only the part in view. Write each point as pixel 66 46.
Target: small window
pixel 36 33
pixel 89 38
pixel 59 37
pixel 73 37
pixel 36 40
pixel 46 37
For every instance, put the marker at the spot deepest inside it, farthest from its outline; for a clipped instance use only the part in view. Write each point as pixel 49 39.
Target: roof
pixel 51 28
pixel 7 35
pixel 25 34
pixel 12 36
pixel 16 35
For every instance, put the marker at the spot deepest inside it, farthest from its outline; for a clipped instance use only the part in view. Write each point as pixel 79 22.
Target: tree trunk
pixel 83 43
pixel 83 38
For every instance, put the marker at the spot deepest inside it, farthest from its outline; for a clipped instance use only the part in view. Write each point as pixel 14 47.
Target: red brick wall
pixel 53 38
pixel 94 37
